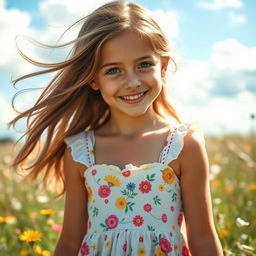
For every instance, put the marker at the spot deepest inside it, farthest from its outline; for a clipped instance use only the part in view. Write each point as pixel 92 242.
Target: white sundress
pixel 135 211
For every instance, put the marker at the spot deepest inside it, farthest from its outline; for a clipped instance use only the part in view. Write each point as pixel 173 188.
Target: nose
pixel 132 81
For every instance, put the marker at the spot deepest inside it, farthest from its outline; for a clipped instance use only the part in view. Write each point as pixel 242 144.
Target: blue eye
pixel 112 71
pixel 145 65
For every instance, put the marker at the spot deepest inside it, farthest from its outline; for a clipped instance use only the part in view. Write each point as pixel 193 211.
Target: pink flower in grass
pixel 56 228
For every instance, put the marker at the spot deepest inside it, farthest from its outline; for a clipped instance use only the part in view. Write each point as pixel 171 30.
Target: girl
pixel 131 169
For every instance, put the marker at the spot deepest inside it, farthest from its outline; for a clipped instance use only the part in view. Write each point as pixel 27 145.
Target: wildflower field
pixel 30 220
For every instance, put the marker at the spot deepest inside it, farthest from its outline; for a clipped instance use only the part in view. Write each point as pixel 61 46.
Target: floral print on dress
pixel 135 211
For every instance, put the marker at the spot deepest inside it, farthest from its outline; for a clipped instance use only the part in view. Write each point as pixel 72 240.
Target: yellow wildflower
pixel 30 236
pixel 41 252
pixel 2 219
pixel 252 187
pixel 254 222
pixel 229 189
pixel 216 183
pixel 112 181
pixel 24 252
pixel 223 232
pixel 47 212
pixel 121 203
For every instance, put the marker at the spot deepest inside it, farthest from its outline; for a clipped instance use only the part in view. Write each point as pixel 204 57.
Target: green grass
pixel 233 195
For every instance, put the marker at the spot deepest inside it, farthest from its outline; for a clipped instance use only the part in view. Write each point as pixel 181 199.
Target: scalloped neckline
pixel 134 169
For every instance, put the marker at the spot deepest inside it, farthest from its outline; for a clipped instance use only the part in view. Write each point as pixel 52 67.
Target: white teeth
pixel 133 97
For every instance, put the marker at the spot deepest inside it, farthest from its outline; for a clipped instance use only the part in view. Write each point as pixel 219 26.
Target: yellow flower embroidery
pixel 108 244
pixel 168 175
pixel 30 236
pixel 121 203
pixel 112 181
pixel 141 252
pixel 89 191
pixel 94 247
pixel 161 187
pixel 159 252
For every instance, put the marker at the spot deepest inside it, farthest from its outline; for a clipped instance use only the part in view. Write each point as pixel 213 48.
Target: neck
pixel 127 125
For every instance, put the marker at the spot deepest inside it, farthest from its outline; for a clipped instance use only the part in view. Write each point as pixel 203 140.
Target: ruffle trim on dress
pixel 176 142
pixel 78 146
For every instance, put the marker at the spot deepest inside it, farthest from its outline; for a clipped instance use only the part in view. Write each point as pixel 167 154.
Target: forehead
pixel 125 46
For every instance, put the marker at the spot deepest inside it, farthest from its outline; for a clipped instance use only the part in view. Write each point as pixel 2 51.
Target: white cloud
pixel 168 21
pixel 12 23
pixel 219 93
pixel 221 4
pixel 235 19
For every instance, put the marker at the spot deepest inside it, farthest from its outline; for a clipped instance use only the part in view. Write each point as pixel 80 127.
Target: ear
pixel 94 85
pixel 164 64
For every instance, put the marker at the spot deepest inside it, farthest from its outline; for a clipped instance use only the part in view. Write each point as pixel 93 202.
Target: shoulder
pixel 194 157
pixel 72 167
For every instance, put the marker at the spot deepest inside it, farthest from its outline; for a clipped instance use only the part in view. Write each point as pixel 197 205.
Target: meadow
pixel 30 220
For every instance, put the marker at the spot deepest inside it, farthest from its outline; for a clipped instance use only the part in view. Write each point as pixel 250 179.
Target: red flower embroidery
pixel 104 191
pixel 185 251
pixel 180 219
pixel 141 239
pixel 112 221
pixel 147 207
pixel 124 247
pixel 165 245
pixel 106 201
pixel 94 171
pixel 164 218
pixel 138 221
pixel 85 249
pixel 145 186
pixel 172 208
pixel 105 237
pixel 126 173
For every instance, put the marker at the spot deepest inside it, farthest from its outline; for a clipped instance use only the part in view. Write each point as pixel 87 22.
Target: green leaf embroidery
pixel 174 197
pixel 157 200
pixel 95 212
pixel 150 228
pixel 151 177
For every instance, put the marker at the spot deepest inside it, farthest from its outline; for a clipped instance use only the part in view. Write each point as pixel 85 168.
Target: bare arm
pixel 202 236
pixel 75 212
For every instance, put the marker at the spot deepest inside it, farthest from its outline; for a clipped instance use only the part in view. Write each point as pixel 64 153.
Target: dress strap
pixel 175 141
pixel 81 145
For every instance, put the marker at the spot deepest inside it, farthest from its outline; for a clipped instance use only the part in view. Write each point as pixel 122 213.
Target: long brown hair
pixel 68 105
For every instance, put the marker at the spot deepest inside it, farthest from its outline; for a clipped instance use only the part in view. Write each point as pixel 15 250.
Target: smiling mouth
pixel 135 98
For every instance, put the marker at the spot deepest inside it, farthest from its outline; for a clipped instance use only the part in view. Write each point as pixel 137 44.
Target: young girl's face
pixel 130 74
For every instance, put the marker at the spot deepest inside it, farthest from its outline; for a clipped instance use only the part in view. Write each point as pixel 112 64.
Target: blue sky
pixel 216 81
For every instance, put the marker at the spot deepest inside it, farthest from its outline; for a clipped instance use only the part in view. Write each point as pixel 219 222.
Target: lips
pixel 133 98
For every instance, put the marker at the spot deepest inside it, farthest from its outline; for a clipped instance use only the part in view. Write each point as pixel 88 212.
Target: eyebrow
pixel 116 63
